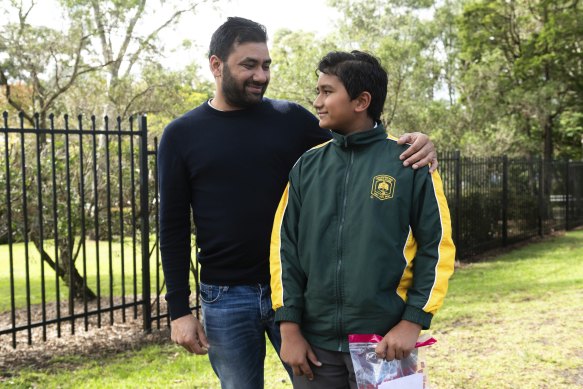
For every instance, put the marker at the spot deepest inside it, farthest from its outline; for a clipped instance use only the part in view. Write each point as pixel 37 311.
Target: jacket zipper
pixel 339 261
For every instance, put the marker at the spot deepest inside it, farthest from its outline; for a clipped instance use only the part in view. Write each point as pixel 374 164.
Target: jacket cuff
pixel 178 305
pixel 288 314
pixel 419 316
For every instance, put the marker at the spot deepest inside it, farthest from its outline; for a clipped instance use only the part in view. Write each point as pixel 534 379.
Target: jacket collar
pixel 360 138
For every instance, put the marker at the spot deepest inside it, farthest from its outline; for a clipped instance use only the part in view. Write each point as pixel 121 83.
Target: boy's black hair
pixel 359 72
pixel 235 30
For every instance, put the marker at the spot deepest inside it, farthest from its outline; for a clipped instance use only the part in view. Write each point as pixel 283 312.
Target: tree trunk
pixel 74 281
pixel 548 137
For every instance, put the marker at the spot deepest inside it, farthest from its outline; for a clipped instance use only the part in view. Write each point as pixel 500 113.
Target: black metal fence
pixel 76 210
pixel 498 201
pixel 79 220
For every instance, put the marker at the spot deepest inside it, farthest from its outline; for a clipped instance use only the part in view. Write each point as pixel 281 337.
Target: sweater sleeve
pixel 434 260
pixel 288 280
pixel 174 223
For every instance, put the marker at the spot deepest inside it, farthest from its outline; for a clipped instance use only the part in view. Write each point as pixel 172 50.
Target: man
pixel 228 161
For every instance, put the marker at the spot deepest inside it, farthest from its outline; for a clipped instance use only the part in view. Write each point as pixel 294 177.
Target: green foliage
pixel 295 57
pixel 105 48
pixel 488 77
pixel 529 59
pixel 41 63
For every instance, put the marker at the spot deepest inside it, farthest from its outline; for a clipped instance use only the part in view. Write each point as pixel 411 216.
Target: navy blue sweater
pixel 230 168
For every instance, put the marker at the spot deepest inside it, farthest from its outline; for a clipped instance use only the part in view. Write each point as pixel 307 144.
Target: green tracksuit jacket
pixel 359 242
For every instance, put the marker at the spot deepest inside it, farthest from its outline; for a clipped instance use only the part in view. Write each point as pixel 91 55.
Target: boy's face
pixel 334 106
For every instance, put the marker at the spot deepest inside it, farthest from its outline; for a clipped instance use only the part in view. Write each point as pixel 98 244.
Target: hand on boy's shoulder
pixel 420 153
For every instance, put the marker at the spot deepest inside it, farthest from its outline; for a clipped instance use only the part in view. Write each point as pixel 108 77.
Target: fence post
pixel 504 200
pixel 541 230
pixel 567 164
pixel 458 189
pixel 145 223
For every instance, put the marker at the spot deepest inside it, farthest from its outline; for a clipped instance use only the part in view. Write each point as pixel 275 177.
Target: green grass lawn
pixel 35 266
pixel 511 322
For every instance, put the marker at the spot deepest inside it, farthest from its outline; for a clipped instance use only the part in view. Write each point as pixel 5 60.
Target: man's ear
pixel 216 66
pixel 362 102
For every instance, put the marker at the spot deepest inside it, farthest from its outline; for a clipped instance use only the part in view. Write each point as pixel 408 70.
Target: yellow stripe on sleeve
pixel 275 252
pixel 409 252
pixel 446 250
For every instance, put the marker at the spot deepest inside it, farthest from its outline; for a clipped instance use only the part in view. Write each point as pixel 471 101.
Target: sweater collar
pixel 360 138
pixel 236 112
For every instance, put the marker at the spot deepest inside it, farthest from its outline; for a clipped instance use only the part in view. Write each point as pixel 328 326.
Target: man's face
pixel 245 74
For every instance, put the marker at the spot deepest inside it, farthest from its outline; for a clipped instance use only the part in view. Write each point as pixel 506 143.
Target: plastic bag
pixel 376 373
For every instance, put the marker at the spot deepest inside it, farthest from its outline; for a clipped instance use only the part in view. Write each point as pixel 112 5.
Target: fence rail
pixel 75 210
pixel 498 201
pixel 79 220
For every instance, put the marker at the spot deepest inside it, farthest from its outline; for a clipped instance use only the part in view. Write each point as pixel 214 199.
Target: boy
pixel 359 244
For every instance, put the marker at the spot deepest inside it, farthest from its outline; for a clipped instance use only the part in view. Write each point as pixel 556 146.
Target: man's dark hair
pixel 359 72
pixel 235 30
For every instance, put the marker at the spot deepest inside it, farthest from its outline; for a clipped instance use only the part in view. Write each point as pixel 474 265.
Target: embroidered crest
pixel 383 187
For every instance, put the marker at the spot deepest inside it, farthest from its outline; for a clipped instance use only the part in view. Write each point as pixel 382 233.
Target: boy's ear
pixel 215 64
pixel 362 102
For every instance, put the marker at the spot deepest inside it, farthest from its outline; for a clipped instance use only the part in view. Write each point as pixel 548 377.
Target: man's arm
pixel 175 244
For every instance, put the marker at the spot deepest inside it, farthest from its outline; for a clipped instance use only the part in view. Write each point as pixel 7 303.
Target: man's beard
pixel 236 95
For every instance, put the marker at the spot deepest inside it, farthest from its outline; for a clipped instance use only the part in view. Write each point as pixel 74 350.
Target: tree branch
pixel 138 95
pixel 106 48
pixel 129 33
pixel 21 17
pixel 134 57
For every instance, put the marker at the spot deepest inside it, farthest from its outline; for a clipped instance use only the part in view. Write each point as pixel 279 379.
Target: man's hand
pixel 399 341
pixel 421 152
pixel 296 351
pixel 189 333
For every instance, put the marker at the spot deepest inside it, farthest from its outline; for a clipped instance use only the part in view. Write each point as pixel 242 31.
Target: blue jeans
pixel 236 319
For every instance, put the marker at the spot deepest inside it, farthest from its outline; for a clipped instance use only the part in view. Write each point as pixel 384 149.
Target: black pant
pixel 336 372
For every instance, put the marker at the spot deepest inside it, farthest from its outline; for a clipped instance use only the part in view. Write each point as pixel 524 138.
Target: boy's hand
pixel 399 341
pixel 421 152
pixel 296 351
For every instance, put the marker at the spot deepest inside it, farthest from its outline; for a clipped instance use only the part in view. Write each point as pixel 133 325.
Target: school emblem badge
pixel 383 187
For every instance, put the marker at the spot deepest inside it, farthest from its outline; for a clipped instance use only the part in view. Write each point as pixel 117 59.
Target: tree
pixel 125 49
pixel 408 40
pixel 46 70
pixel 295 59
pixel 45 61
pixel 531 53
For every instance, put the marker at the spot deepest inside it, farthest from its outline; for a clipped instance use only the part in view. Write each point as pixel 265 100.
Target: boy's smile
pixel 334 106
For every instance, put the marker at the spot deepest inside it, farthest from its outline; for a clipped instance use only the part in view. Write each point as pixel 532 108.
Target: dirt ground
pixel 93 342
